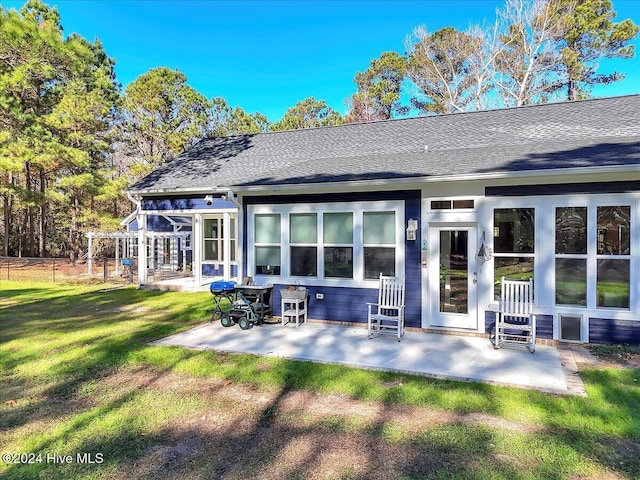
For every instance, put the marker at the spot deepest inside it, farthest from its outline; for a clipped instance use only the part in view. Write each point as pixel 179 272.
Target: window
pixel 267 244
pixel 514 244
pixel 338 245
pixel 303 231
pixel 574 247
pixel 449 204
pixel 379 232
pixel 571 256
pixel 213 239
pixel 335 243
pixel 613 256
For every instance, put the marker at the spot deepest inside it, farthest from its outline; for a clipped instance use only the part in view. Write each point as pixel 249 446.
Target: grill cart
pixel 224 294
pixel 251 306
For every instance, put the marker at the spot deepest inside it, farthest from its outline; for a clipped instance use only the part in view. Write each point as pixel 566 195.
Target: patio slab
pixel 448 357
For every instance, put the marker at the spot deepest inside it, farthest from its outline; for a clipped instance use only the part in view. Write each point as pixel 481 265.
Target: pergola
pixel 127 242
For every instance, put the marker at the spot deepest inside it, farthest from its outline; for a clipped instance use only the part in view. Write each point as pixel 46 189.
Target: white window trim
pixel 358 209
pixel 544 269
pixel 219 216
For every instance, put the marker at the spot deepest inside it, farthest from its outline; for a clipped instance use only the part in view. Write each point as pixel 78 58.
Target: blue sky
pixel 266 56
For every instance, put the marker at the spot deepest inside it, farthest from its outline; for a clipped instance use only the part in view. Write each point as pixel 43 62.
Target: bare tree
pixel 527 64
pixel 449 69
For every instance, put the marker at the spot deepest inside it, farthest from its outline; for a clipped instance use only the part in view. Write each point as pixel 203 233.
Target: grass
pixel 77 376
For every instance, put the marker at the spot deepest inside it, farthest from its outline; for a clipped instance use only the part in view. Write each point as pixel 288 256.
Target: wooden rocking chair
pixel 515 320
pixel 387 316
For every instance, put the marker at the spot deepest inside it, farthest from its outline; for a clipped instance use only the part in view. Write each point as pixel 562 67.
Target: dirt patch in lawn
pixel 249 432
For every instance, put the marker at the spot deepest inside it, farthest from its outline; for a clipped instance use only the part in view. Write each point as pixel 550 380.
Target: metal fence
pixel 62 270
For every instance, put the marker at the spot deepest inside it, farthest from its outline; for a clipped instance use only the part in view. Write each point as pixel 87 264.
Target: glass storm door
pixel 453 277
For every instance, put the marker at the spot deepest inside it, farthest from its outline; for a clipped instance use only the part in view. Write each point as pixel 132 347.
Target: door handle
pixel 475 277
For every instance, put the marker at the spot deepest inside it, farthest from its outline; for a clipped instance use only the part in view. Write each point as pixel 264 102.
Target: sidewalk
pixel 449 357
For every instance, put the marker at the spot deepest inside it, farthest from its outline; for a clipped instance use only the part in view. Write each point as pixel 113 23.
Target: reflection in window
pixel 338 262
pixel 571 281
pixel 614 230
pixel 304 261
pixel 613 283
pixel 571 230
pixel 267 231
pixel 513 268
pixel 514 230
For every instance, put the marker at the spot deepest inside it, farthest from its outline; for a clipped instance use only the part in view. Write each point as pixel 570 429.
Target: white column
pixel 226 252
pixel 117 256
pixel 142 249
pixel 196 243
pixel 90 254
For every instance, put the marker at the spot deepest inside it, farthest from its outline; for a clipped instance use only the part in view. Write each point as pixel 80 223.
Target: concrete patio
pixel 470 359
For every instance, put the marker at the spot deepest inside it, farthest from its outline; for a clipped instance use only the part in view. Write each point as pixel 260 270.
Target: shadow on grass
pixel 268 442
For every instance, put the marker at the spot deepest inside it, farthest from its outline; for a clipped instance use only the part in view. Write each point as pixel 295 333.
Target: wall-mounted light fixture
pixel 412 229
pixel 209 199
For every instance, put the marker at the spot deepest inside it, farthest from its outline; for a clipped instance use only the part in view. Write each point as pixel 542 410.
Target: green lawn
pixel 78 379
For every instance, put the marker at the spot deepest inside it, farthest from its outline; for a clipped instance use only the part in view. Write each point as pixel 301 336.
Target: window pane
pixel 463 204
pixel 211 228
pixel 613 283
pixel 232 225
pixel 233 250
pixel 303 227
pixel 267 228
pixel 268 260
pixel 513 230
pixel 513 268
pixel 211 250
pixel 379 260
pixel 304 261
pixel 571 230
pixel 571 281
pixel 613 230
pixel 440 204
pixel 338 227
pixel 380 228
pixel 338 262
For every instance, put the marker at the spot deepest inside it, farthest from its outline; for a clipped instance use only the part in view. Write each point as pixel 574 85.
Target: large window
pixel 571 256
pixel 338 242
pixel 575 246
pixel 338 245
pixel 303 231
pixel 613 256
pixel 514 244
pixel 267 244
pixel 379 232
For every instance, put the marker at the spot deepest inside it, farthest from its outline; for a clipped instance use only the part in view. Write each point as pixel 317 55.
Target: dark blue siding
pixel 349 304
pixel 189 202
pixel 157 223
pixel 217 270
pixel 602 330
pixel 544 324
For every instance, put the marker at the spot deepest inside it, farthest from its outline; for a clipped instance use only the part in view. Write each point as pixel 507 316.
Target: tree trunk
pixel 7 208
pixel 42 234
pixel 73 230
pixel 30 224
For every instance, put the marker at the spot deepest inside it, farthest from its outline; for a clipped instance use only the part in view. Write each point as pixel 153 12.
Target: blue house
pixel 548 191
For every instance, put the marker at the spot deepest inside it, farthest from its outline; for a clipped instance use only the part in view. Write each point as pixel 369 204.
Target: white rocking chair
pixel 515 320
pixel 387 316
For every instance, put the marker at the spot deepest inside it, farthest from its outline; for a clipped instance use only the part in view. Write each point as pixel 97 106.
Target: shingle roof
pixel 585 133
